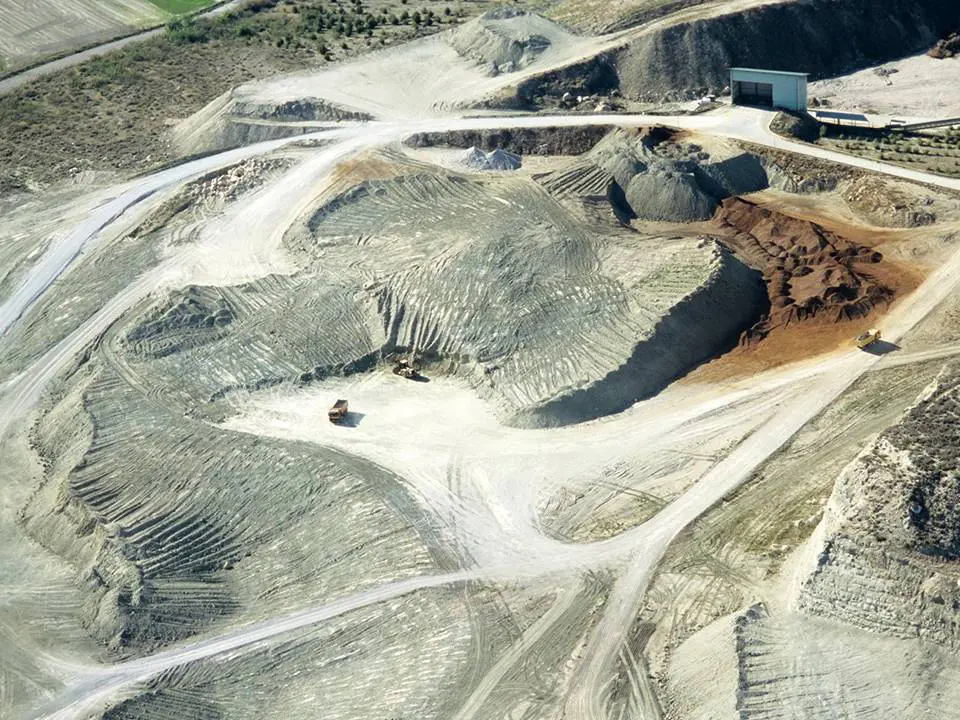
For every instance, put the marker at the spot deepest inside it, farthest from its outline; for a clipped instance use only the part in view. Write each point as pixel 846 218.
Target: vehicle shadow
pixel 881 347
pixel 421 378
pixel 352 419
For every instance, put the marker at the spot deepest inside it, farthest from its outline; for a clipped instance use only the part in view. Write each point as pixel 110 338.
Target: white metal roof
pixel 769 72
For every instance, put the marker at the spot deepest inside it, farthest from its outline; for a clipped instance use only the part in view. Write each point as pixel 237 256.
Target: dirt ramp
pixel 811 273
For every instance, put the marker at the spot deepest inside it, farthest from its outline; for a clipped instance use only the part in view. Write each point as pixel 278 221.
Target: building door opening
pixel 751 93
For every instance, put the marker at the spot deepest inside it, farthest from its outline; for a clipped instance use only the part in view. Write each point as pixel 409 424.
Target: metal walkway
pixel 927 125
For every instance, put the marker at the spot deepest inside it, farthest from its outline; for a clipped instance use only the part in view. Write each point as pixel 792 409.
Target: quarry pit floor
pixel 495 493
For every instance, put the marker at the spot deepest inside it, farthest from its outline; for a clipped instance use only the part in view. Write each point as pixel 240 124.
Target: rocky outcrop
pixel 234 120
pixel 299 110
pixel 946 48
pixel 886 556
pixel 522 141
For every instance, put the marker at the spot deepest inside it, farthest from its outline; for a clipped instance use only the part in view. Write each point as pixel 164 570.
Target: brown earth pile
pixel 812 274
pixel 946 48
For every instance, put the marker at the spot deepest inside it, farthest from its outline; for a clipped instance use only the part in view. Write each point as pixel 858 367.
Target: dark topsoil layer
pixel 522 141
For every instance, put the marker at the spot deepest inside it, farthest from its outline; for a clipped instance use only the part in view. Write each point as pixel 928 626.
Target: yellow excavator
pixel 868 338
pixel 407 367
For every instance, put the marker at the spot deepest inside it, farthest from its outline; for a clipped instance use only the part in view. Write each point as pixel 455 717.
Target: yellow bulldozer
pixel 407 367
pixel 868 338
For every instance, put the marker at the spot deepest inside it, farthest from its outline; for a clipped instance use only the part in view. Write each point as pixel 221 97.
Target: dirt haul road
pixel 640 548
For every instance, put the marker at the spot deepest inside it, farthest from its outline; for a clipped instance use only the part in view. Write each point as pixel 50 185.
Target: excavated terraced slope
pixel 176 526
pixel 560 324
pixel 888 546
pixel 869 624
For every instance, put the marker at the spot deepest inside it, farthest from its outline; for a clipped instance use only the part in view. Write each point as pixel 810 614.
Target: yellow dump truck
pixel 868 338
pixel 338 412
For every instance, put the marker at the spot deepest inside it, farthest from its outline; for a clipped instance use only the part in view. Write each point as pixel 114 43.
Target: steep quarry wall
pixel 821 37
pixel 523 141
pixel 703 324
pixel 886 556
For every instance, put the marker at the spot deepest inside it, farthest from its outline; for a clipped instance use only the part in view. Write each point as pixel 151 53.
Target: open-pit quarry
pixel 642 470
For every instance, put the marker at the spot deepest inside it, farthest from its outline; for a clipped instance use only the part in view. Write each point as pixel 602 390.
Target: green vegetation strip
pixel 181 7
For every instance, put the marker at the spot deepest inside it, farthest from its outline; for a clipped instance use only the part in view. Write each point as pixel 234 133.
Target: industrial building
pixel 769 88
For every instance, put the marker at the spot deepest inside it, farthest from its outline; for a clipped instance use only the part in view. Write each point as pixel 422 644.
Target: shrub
pixel 183 31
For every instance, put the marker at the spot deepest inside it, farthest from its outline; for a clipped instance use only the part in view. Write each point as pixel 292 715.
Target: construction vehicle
pixel 338 412
pixel 868 338
pixel 407 367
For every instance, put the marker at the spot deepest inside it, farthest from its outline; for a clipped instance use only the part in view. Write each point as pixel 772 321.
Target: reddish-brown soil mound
pixel 812 274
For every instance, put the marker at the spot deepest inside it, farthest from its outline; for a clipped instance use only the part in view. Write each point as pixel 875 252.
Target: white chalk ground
pixel 418 430
pixel 922 88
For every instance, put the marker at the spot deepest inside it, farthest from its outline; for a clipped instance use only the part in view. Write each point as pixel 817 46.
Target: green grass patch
pixel 181 7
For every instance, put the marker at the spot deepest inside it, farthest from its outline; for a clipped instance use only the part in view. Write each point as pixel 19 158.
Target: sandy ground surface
pixel 918 87
pixel 243 557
